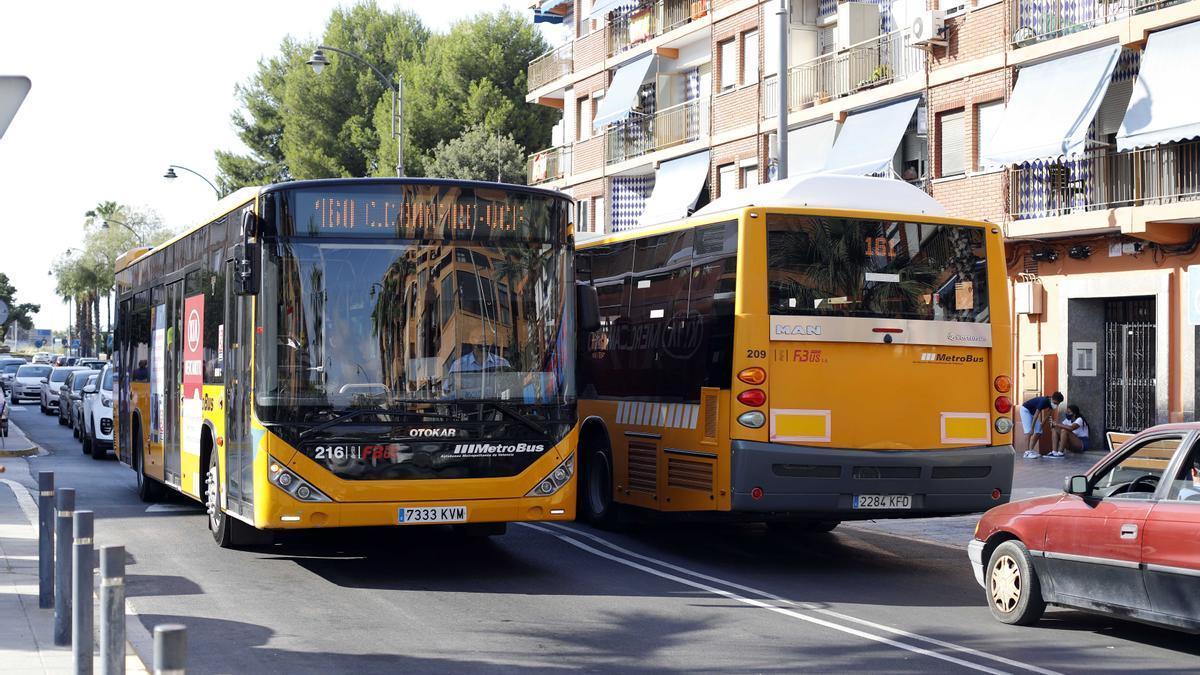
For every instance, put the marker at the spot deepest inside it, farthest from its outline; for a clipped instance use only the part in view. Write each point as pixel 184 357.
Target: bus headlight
pixel 555 480
pixel 294 485
pixel 1004 425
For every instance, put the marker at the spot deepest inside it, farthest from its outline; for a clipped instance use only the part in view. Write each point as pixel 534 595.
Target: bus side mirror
pixel 587 307
pixel 245 254
pixel 1076 485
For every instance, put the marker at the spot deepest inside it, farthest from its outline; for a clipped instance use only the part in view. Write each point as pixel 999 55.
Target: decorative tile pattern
pixel 629 194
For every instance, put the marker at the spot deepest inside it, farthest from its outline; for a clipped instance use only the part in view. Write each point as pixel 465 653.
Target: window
pixel 1186 486
pixel 987 120
pixel 726 180
pixel 583 118
pixel 582 222
pixel 750 57
pixel 729 66
pixel 749 175
pixel 953 151
pixel 600 215
pixel 1137 473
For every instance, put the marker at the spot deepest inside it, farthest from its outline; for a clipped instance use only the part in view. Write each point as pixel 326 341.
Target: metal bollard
pixel 112 610
pixel 170 649
pixel 45 539
pixel 83 641
pixel 64 508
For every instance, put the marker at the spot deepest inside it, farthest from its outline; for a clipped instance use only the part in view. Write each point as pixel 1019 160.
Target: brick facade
pixel 729 153
pixel 974 35
pixel 964 94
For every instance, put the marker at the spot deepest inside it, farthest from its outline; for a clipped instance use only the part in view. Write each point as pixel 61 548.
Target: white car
pixel 50 386
pixel 27 382
pixel 97 420
pixel 43 357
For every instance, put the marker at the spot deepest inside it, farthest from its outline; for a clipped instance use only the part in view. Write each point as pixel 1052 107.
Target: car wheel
pixel 1013 589
pixel 596 503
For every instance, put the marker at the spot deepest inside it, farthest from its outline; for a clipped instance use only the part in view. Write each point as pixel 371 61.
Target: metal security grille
pixel 1129 364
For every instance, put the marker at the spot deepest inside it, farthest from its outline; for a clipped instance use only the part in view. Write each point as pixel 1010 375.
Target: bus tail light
pixel 1003 384
pixel 294 485
pixel 752 420
pixel 754 375
pixel 555 480
pixel 756 493
pixel 1003 404
pixel 1004 425
pixel 996 493
pixel 752 397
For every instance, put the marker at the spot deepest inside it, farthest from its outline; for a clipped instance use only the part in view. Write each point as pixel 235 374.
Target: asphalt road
pixel 546 597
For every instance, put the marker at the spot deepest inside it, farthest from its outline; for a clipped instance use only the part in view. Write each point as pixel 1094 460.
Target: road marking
pixel 806 606
pixel 757 603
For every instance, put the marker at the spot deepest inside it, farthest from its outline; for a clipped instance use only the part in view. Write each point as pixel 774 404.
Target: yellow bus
pixel 355 352
pixel 802 353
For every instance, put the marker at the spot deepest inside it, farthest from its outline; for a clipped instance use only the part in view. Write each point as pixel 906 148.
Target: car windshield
pixel 33 371
pixel 9 368
pixel 106 383
pixel 60 375
pixel 380 324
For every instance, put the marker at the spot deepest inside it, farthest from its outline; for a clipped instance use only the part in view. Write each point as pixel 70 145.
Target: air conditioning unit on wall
pixel 926 27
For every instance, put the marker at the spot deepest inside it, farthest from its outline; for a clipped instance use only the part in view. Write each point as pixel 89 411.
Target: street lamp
pixel 141 240
pixel 318 61
pixel 171 175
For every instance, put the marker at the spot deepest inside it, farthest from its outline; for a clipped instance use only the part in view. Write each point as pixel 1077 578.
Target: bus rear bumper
pixel 823 482
pixel 287 513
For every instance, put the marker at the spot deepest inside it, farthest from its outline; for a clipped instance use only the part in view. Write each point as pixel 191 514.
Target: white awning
pixel 1165 105
pixel 827 191
pixel 603 7
pixel 677 186
pixel 622 92
pixel 868 140
pixel 808 147
pixel 1052 106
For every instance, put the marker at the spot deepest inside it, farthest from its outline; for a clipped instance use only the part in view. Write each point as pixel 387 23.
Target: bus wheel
pixel 596 497
pixel 226 531
pixel 148 489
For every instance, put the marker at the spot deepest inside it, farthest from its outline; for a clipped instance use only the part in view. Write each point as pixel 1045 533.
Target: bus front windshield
pixel 384 324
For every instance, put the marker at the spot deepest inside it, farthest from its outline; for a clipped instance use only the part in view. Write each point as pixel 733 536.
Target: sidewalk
pixel 16 444
pixel 27 631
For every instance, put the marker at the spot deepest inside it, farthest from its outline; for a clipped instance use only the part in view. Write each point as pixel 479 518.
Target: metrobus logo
pixel 934 357
pixel 494 449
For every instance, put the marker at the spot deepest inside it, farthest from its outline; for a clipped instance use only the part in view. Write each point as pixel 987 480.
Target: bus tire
pixel 596 503
pixel 227 532
pixel 148 489
pixel 1014 592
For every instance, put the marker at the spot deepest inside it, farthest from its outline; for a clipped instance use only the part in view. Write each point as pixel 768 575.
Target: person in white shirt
pixel 478 359
pixel 1070 434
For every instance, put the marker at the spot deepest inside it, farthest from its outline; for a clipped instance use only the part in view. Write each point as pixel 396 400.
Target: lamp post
pixel 140 239
pixel 171 175
pixel 318 61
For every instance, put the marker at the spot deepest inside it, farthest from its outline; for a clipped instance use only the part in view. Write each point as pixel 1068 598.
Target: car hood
pixel 29 380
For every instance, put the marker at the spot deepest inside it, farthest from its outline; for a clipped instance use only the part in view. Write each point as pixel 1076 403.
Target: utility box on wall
pixel 1027 297
pixel 1039 376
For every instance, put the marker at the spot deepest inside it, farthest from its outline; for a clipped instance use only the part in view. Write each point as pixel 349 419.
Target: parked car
pixel 76 421
pixel 70 392
pixel 43 357
pixel 97 424
pixel 1121 540
pixel 8 370
pixel 27 382
pixel 94 364
pixel 50 385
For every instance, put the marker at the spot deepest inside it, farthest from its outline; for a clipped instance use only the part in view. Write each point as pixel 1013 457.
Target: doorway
pixel 1130 335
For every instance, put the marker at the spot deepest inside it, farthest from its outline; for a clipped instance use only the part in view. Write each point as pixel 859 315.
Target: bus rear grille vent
pixel 643 467
pixel 875 472
pixel 689 474
pixel 710 410
pixel 961 471
pixel 807 470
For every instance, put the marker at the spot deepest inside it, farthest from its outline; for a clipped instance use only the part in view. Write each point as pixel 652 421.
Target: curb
pixel 27 452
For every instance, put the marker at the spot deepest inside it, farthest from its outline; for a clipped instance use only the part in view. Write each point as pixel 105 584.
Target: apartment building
pixel 1070 124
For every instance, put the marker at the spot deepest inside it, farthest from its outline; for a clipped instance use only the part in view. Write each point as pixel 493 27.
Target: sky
pixel 121 90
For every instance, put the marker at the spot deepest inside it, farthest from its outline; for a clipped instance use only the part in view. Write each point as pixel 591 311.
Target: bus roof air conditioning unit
pixel 926 27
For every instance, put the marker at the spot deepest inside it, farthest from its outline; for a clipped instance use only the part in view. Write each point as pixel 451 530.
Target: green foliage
pixel 479 154
pixel 19 314
pixel 298 124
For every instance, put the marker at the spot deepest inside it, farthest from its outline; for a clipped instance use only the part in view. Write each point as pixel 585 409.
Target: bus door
pixel 239 467
pixel 172 383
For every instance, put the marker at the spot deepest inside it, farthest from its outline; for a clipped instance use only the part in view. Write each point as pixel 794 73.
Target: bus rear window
pixel 852 267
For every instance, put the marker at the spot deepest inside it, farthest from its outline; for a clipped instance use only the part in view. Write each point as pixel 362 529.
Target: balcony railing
pixel 1037 21
pixel 1104 179
pixel 873 63
pixel 550 164
pixel 642 134
pixel 651 19
pixel 550 66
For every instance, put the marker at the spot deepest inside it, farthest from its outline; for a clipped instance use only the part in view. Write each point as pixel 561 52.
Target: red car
pixel 1123 540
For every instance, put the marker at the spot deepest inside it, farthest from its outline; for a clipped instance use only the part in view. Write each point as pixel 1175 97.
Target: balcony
pixel 643 134
pixel 1105 179
pixel 876 62
pixel 550 66
pixel 550 164
pixel 1037 21
pixel 649 20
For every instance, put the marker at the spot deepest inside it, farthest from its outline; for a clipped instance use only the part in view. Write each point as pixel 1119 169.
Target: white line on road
pixel 750 601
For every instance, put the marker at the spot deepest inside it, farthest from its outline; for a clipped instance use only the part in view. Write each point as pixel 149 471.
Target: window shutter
pixel 1112 108
pixel 953 146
